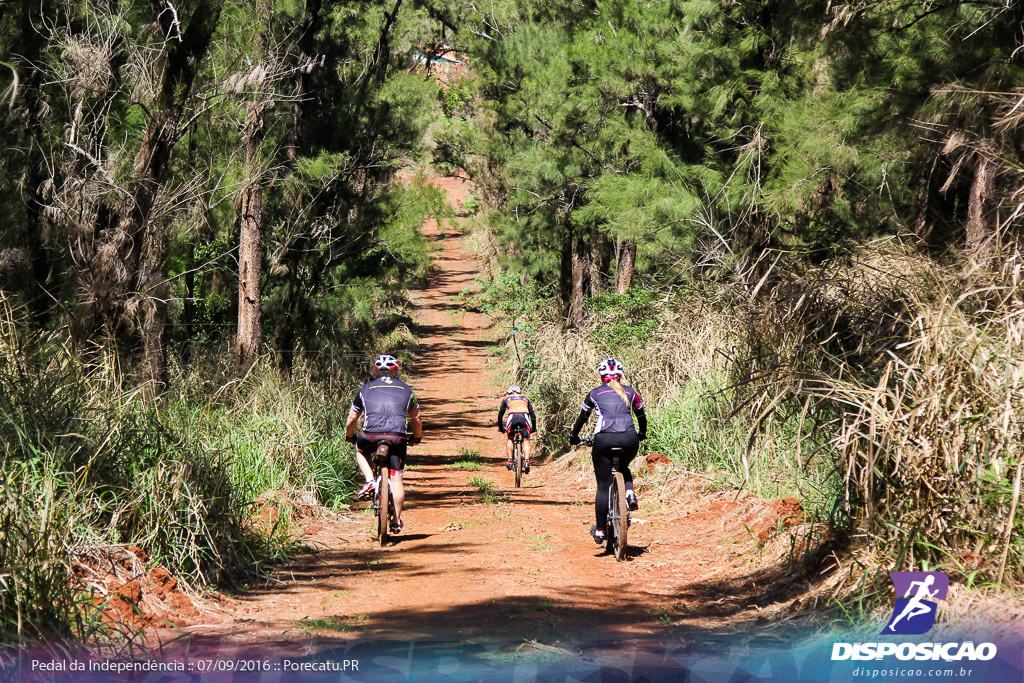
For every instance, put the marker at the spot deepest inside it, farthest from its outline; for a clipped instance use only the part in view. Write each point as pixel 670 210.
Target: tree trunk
pixel 305 60
pixel 155 290
pixel 980 230
pixel 118 279
pixel 250 238
pixel 580 271
pixel 565 272
pixel 250 252
pixel 600 258
pixel 382 55
pixel 624 272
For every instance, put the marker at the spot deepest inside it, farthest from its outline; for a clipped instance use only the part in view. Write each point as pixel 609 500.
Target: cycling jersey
pixel 613 414
pixel 385 402
pixel 516 409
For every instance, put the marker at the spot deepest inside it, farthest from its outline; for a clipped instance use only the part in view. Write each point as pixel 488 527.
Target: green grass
pixel 539 542
pixel 346 624
pixel 545 605
pixel 488 491
pixel 466 466
pixel 470 460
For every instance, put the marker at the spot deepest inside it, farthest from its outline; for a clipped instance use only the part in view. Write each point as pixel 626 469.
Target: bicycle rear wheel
pixel 384 516
pixel 517 460
pixel 618 517
pixel 376 508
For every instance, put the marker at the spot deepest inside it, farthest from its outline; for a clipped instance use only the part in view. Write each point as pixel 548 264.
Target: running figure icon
pixel 917 599
pixel 916 607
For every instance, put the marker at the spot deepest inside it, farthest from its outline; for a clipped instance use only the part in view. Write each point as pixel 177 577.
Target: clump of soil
pixel 126 593
pixel 658 460
pixel 774 517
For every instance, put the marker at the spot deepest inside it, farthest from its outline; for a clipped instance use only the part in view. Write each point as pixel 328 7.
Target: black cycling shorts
pixel 518 423
pixel 367 445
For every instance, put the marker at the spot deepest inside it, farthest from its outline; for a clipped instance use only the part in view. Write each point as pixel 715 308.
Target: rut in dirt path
pixel 517 564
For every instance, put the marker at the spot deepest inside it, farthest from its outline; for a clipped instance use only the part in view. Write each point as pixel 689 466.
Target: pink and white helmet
pixel 610 369
pixel 386 362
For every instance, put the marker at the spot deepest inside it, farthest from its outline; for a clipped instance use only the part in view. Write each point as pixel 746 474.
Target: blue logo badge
pixel 916 596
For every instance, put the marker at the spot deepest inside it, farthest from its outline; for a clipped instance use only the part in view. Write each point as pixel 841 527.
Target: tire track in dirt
pixel 522 568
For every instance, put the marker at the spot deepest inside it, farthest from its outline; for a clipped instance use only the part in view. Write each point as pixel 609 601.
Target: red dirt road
pixel 520 569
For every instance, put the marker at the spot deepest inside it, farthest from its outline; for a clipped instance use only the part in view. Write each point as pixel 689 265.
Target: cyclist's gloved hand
pixel 642 435
pixel 350 439
pixel 574 440
pixel 416 440
pixel 501 430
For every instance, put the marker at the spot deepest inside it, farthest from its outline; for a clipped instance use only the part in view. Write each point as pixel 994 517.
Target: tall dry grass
pixel 915 371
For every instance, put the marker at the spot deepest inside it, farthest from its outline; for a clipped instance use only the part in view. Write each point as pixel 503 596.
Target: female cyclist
pixel 614 404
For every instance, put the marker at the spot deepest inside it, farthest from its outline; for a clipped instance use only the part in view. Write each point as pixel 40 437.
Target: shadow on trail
pixel 406 538
pixel 337 569
pixel 736 594
pixel 606 619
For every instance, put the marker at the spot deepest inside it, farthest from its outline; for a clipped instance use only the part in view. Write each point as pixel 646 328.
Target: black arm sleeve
pixel 580 421
pixel 501 413
pixel 533 417
pixel 641 417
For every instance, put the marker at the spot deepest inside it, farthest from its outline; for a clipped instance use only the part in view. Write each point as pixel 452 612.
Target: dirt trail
pixel 523 568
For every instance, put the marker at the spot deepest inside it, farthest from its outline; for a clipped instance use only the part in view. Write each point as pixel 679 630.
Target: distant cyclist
pixel 515 414
pixel 385 402
pixel 614 405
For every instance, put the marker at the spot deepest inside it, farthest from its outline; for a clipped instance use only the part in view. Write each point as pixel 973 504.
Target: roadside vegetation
pixel 800 230
pixel 205 240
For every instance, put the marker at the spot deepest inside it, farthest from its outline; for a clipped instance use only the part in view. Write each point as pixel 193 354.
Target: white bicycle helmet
pixel 386 362
pixel 514 389
pixel 610 368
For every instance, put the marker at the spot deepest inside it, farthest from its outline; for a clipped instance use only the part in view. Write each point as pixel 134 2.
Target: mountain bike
pixel 517 455
pixel 383 503
pixel 617 525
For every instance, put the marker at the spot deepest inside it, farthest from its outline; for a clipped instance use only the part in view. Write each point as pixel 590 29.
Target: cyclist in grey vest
pixel 385 403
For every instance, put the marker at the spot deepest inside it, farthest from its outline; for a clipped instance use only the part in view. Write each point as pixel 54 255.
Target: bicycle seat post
pixel 383 450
